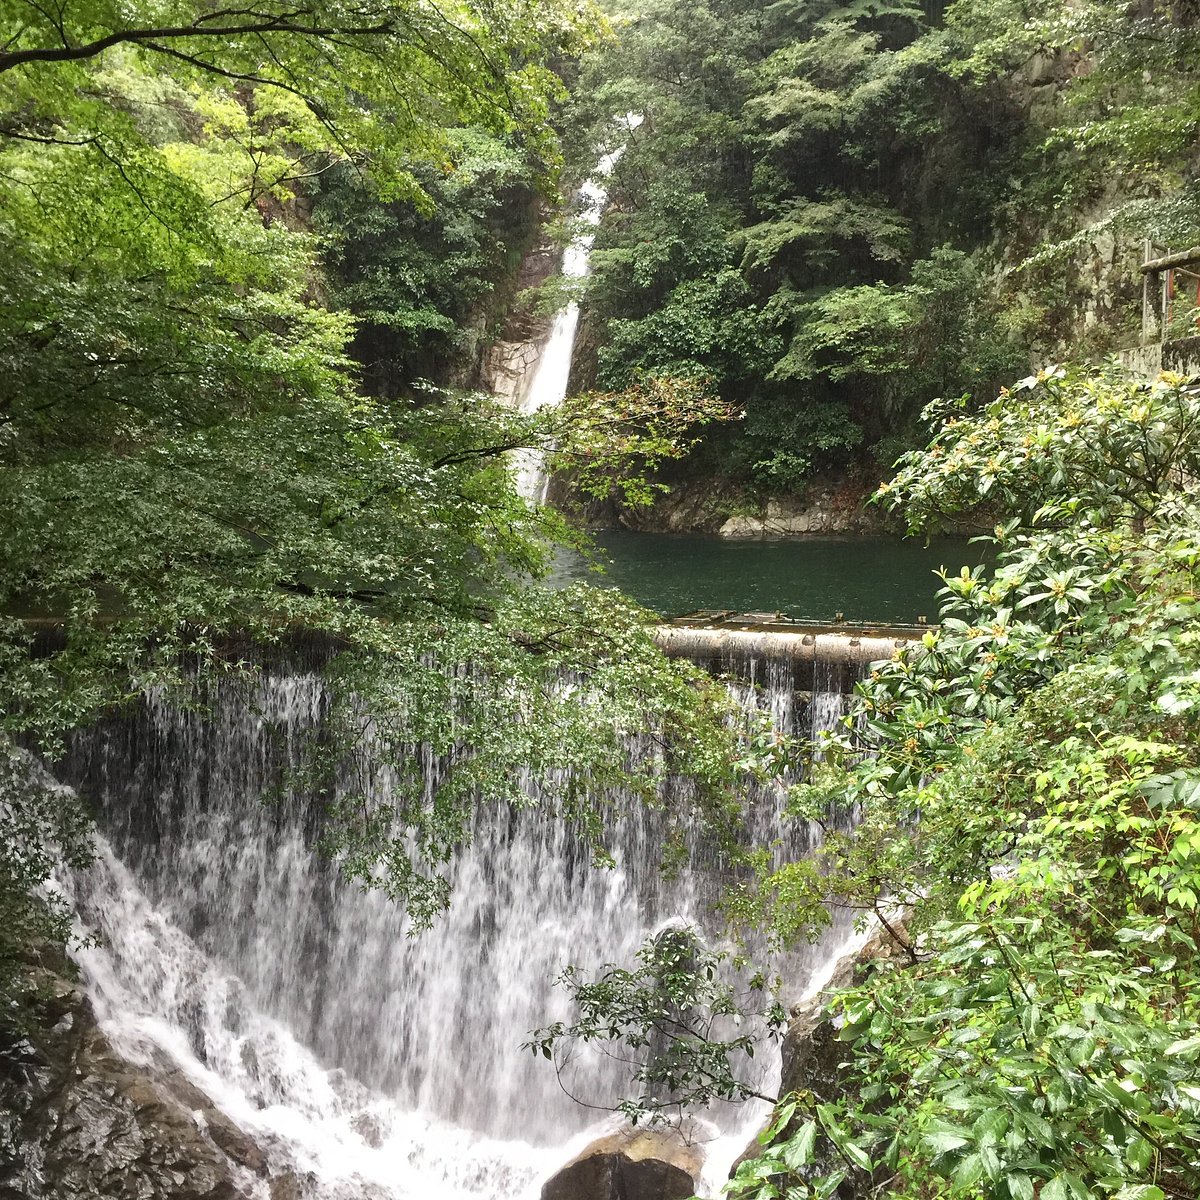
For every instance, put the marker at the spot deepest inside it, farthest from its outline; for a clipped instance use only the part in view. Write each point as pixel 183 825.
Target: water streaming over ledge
pixel 298 1002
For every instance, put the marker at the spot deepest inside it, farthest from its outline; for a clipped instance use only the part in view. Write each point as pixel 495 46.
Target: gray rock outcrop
pixel 825 510
pixel 632 1164
pixel 79 1121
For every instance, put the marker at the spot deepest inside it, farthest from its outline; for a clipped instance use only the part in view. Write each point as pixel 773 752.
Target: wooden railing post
pixel 1153 307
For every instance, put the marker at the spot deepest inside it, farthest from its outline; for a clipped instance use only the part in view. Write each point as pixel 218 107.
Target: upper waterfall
pixel 547 383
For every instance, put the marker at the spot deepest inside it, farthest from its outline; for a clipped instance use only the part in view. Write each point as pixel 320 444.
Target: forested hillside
pixel 834 212
pixel 244 253
pixel 237 246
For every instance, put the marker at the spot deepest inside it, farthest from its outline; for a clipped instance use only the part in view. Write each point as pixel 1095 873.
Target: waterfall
pixel 547 384
pixel 300 1003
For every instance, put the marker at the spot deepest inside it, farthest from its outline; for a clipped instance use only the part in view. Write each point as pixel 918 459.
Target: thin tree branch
pixel 280 24
pixel 48 141
pixel 462 456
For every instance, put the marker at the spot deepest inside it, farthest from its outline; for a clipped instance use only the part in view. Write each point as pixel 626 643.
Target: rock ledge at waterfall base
pixel 832 506
pixel 79 1121
pixel 631 1164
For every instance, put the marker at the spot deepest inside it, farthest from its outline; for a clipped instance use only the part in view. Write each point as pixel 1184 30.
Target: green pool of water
pixel 864 579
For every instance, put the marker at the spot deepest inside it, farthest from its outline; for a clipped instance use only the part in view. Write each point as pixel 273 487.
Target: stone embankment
pixel 831 507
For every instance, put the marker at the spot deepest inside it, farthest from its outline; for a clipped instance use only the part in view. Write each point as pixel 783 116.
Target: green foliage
pixel 1039 752
pixel 803 238
pixel 1112 95
pixel 655 420
pixel 318 77
pixel 784 443
pixel 850 331
pixel 537 706
pixel 701 330
pixel 675 236
pixel 681 1016
pixel 415 278
pixel 890 208
pixel 1058 446
pixel 780 219
pixel 1132 110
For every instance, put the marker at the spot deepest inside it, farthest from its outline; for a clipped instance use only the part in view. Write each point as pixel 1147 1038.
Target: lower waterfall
pixel 358 1054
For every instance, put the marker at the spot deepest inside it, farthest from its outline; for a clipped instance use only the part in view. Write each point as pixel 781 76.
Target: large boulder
pixel 80 1121
pixel 632 1164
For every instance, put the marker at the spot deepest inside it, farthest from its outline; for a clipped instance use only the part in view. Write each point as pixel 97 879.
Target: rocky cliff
pixel 833 505
pixel 80 1121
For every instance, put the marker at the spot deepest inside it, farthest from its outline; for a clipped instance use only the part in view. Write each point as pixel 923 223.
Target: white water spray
pixel 298 1003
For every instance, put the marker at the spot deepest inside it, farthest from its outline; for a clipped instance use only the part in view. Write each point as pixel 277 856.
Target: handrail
pixel 1180 258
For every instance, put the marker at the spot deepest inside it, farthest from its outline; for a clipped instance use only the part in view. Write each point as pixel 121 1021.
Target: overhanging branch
pixel 198 29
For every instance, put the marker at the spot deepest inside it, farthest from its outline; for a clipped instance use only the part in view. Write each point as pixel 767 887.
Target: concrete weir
pixel 750 646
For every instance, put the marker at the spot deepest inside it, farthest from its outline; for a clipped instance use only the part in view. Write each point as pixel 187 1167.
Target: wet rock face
pixel 78 1121
pixel 827 510
pixel 812 1056
pixel 811 1052
pixel 634 1164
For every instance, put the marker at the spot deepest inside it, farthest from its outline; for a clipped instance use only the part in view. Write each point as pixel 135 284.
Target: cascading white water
pixel 155 990
pixel 300 1004
pixel 547 385
pixel 828 703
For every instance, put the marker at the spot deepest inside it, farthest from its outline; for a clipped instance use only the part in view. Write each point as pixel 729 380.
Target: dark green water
pixel 865 579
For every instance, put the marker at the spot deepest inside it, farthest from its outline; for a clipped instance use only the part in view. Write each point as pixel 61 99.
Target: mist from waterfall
pixel 301 1004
